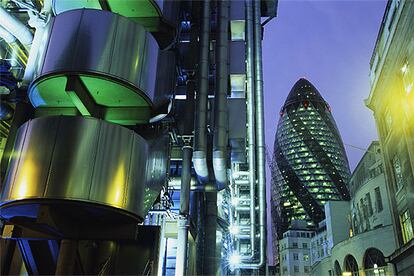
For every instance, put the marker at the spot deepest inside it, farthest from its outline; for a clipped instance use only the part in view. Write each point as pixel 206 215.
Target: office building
pixel 357 236
pixel 391 99
pixel 312 167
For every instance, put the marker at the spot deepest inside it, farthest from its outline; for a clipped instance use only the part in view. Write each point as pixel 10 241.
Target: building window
pixel 295 268
pixel 295 245
pixel 238 85
pixel 398 176
pixel 369 203
pixel 406 226
pixel 295 256
pixel 378 200
pixel 304 245
pixel 306 269
pixel 237 28
pixel 407 77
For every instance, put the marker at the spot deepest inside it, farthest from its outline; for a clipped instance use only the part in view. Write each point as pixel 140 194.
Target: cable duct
pixel 200 127
pixel 15 27
pixel 220 103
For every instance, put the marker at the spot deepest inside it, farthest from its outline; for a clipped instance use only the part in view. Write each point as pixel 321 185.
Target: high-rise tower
pixel 311 164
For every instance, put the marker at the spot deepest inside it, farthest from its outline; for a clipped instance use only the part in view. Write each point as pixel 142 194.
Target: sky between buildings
pixel 329 43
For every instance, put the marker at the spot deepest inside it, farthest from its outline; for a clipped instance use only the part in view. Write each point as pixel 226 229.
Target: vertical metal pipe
pixel 200 122
pixel 185 181
pixel 260 139
pixel 210 252
pixel 259 117
pixel 251 118
pixel 67 258
pixel 220 99
pixel 162 246
pixel 182 239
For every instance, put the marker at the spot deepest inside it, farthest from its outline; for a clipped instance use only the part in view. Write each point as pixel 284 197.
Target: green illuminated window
pixel 406 227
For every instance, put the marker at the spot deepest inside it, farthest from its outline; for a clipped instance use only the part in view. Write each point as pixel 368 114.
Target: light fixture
pixel 234 201
pixel 234 259
pixel 234 229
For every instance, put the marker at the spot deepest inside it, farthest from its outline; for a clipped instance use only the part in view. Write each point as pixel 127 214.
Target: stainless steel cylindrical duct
pixel 260 132
pixel 84 162
pixel 200 122
pixel 220 101
pixel 182 237
pixel 251 126
pixel 114 57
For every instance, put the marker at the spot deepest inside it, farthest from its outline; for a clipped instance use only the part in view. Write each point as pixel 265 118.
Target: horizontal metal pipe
pixel 175 182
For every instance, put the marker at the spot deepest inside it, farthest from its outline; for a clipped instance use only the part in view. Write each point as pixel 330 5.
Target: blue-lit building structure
pixel 311 166
pixel 132 137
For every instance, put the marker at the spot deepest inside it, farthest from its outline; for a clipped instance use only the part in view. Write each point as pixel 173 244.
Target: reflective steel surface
pixel 85 159
pixel 100 47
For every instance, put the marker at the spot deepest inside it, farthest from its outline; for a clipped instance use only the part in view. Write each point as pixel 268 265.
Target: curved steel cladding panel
pixel 114 57
pixel 80 160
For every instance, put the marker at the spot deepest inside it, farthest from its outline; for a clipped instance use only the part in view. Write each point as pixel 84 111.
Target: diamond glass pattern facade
pixel 312 167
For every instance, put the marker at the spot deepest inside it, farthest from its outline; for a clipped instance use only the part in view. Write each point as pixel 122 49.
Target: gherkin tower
pixel 311 163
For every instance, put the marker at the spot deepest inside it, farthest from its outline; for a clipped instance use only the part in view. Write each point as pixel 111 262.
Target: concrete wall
pixel 337 221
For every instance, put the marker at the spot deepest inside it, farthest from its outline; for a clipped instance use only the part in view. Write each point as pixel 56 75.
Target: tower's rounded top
pixel 303 90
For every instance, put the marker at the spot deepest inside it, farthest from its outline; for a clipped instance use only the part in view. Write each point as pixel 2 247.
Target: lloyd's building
pixel 127 130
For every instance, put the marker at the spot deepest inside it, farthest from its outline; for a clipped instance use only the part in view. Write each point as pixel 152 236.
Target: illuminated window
pixel 237 84
pixel 398 176
pixel 406 227
pixel 237 30
pixel 407 77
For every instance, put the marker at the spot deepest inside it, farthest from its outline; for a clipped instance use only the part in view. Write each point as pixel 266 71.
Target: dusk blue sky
pixel 329 43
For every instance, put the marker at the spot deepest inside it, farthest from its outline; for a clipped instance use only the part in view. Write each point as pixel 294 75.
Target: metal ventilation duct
pixel 159 16
pixel 107 60
pixel 99 171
